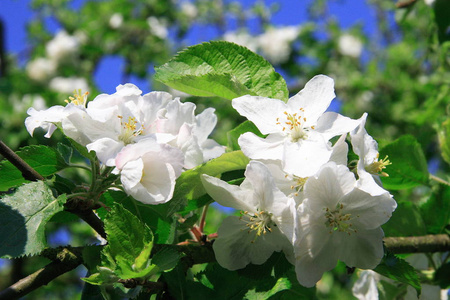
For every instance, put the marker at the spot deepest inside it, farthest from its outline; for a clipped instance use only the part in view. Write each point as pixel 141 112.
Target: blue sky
pixel 16 13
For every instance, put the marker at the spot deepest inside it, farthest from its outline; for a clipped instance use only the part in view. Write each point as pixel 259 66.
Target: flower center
pixel 260 222
pixel 78 98
pixel 377 166
pixel 294 125
pixel 129 130
pixel 338 221
pixel 298 183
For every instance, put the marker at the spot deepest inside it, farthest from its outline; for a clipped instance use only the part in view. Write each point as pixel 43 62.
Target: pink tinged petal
pixel 315 98
pixel 258 148
pixel 331 124
pixel 236 246
pixel 263 112
pixel 305 157
pixel 150 104
pixel 367 211
pixel 132 173
pixel 204 124
pixel 106 150
pixel 363 249
pixel 229 195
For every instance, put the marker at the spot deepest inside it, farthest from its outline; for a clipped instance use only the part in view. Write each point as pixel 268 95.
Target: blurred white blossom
pixel 242 38
pixel 62 46
pixel 158 27
pixel 275 43
pixel 116 21
pixel 350 45
pixel 68 84
pixel 41 69
pixel 189 9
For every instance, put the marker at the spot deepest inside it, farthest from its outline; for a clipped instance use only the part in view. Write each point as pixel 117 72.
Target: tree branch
pixel 66 259
pixel 27 171
pixel 418 244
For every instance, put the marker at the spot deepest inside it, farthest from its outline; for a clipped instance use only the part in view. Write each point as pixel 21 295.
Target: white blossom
pixel 62 46
pixel 266 224
pixel 158 27
pixel 116 20
pixel 189 9
pixel 338 221
pixel 68 84
pixel 350 45
pixel 369 166
pixel 365 288
pixel 148 170
pixel 41 69
pixel 275 43
pixel 298 131
pixel 242 38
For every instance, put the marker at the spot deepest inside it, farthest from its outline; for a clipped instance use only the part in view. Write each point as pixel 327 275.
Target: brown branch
pixel 418 244
pixel 66 260
pixel 27 171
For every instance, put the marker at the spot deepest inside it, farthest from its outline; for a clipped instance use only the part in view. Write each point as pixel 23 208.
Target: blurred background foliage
pixel 399 74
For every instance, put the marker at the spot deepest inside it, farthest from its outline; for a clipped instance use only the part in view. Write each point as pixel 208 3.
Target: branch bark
pixel 66 260
pixel 418 244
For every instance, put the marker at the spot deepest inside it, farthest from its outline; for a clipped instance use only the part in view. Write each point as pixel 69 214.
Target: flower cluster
pixel 148 139
pixel 299 195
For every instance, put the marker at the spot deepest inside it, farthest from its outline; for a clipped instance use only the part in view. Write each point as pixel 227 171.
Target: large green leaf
pixel 223 69
pixel 409 166
pixel 405 221
pixel 45 160
pixel 436 211
pixel 23 216
pixel 398 269
pixel 189 185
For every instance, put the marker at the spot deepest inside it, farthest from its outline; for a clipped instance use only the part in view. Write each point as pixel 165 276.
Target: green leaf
pixel 127 236
pixel 442 276
pixel 441 13
pixel 398 269
pixel 189 185
pixel 409 166
pixel 45 160
pixel 233 135
pixel 223 69
pixel 155 217
pixel 65 152
pixel 405 221
pixel 444 140
pixel 436 211
pixel 166 258
pixel 23 216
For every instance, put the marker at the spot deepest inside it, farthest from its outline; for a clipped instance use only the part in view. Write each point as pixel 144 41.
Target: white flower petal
pixel 315 97
pixel 258 148
pixel 228 195
pixel 263 112
pixel 331 124
pixel 236 246
pixel 132 173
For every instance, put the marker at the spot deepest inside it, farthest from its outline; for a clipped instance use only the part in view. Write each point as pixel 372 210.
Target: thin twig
pixel 68 259
pixel 27 171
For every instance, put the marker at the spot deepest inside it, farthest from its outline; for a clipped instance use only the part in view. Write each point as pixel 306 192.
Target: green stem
pixel 81 167
pixel 438 179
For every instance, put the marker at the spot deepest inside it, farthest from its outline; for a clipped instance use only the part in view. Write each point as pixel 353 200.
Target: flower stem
pixel 438 179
